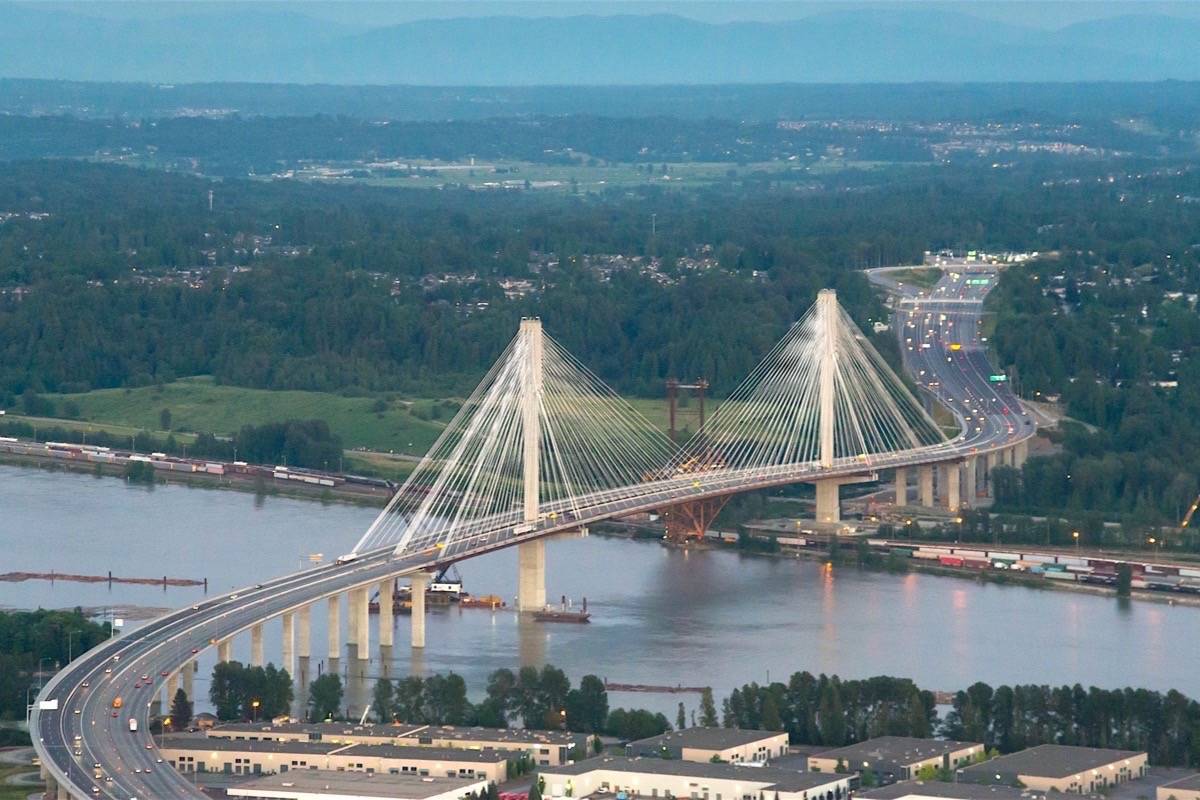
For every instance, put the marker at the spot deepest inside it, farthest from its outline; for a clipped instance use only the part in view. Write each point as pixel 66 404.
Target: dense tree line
pixel 829 711
pixel 241 692
pixel 1165 725
pixel 33 640
pixel 1120 348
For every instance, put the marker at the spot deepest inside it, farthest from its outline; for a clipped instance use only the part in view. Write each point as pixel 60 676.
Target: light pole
pixel 254 704
pixel 162 731
pixel 70 651
pixel 1075 536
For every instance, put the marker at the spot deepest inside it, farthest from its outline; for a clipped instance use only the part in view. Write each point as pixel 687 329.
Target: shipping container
pixel 1014 557
pixel 1060 576
pixel 950 561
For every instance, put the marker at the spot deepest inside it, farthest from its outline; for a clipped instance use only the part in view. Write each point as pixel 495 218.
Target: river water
pixel 660 616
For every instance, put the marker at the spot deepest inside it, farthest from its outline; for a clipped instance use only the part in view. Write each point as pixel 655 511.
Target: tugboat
pixel 563 613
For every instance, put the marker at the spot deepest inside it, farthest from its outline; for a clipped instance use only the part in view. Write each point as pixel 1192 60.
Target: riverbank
pixel 344 493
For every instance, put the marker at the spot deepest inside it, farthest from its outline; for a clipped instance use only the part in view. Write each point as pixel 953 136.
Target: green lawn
pixel 199 405
pixel 921 277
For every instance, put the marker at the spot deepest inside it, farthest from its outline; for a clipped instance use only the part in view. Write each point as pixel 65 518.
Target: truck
pixel 132 725
pixel 346 559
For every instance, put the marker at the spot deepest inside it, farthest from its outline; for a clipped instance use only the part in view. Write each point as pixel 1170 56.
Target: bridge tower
pixel 531 556
pixel 828 490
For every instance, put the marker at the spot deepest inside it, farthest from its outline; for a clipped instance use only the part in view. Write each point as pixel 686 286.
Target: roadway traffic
pixel 136 665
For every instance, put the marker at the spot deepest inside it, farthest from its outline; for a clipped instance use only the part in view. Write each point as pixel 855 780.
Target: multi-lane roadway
pixel 83 731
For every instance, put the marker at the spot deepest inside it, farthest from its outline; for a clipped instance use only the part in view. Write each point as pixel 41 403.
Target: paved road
pixel 941 342
pixel 136 665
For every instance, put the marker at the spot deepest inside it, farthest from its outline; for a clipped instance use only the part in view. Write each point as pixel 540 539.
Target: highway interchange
pixel 136 665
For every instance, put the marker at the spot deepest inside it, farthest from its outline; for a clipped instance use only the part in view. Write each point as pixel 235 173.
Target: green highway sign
pixel 997 378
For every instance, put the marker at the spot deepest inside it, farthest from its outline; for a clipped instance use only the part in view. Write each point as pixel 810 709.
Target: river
pixel 660 616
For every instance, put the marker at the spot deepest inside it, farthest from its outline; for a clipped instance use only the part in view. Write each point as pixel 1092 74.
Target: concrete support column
pixel 993 461
pixel 62 792
pixel 225 650
pixel 287 658
pixel 1020 453
pixel 362 614
pixel 925 482
pixel 172 688
pixel 189 678
pixel 335 626
pixel 970 482
pixel 386 615
pixel 901 486
pixel 351 618
pixel 419 580
pixel 828 500
pixel 256 646
pixel 531 576
pixel 950 487
pixel 304 632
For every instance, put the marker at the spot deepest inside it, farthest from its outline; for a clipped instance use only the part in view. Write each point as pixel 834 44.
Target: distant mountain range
pixel 266 44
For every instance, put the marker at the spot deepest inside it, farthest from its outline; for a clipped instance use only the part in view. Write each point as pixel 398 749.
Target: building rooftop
pixel 893 750
pixel 783 779
pixel 1189 783
pixel 951 791
pixel 703 739
pixel 399 730
pixel 205 745
pixel 488 756
pixel 1050 761
pixel 314 783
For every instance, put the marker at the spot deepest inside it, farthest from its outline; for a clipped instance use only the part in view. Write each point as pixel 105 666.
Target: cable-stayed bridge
pixel 541 447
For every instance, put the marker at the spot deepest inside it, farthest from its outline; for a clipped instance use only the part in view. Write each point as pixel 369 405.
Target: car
pixel 195 608
pixel 95 790
pixel 159 761
pixel 145 678
pixel 108 670
pixel 164 673
pixel 137 685
pixel 149 746
pixel 115 714
pixel 85 684
pixel 195 650
pixel 77 711
pixel 137 770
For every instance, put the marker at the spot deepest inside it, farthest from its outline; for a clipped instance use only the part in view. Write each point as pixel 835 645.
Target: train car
pixel 1060 575
pixel 214 469
pixel 950 561
pixel 966 553
pixel 977 563
pixel 1013 557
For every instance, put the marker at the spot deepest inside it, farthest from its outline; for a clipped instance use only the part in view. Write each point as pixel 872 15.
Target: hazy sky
pixel 369 13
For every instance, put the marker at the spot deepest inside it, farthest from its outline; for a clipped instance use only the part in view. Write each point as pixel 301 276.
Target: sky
pixel 372 13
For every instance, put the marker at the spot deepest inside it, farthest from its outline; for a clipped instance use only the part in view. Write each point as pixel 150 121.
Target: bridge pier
pixel 992 461
pixel 971 482
pixel 362 615
pixel 189 678
pixel 63 793
pixel 225 650
pixel 256 646
pixel 335 626
pixel 829 500
pixel 950 486
pixel 419 582
pixel 304 631
pixel 925 481
pixel 1020 453
pixel 387 620
pixel 287 659
pixel 531 575
pixel 901 486
pixel 172 688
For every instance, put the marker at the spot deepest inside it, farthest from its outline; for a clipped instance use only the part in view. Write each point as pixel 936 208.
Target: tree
pixel 587 706
pixel 226 689
pixel 382 700
pixel 325 697
pixel 164 419
pixel 680 718
pixel 708 709
pixel 181 710
pixel 830 715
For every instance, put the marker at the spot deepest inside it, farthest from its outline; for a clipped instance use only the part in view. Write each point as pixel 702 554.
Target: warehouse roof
pixel 310 783
pixel 951 791
pixel 703 739
pixel 783 779
pixel 1050 761
pixel 893 750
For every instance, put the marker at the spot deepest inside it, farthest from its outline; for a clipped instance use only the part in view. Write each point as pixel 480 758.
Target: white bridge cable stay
pixel 590 441
pixel 774 417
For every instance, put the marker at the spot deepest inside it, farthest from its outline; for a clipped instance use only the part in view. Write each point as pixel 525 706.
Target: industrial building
pixel 705 744
pixel 545 748
pixel 1183 789
pixel 671 778
pixel 941 790
pixel 268 757
pixel 1060 768
pixel 354 786
pixel 895 758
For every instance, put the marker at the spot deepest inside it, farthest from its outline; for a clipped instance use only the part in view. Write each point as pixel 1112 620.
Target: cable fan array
pixel 589 440
pixel 775 417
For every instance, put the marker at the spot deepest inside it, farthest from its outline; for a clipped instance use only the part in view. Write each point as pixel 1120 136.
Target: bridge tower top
pixel 530 337
pixel 827 322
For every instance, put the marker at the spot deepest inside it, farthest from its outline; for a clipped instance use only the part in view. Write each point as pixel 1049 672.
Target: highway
pixel 136 665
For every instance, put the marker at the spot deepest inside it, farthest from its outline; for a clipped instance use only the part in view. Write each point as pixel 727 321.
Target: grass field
pixel 921 277
pixel 199 405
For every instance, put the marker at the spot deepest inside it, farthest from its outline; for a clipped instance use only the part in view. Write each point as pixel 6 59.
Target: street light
pixel 1075 535
pixel 254 704
pixel 162 731
pixel 70 652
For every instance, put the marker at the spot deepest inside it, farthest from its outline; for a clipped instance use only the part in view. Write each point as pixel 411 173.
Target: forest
pixel 31 640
